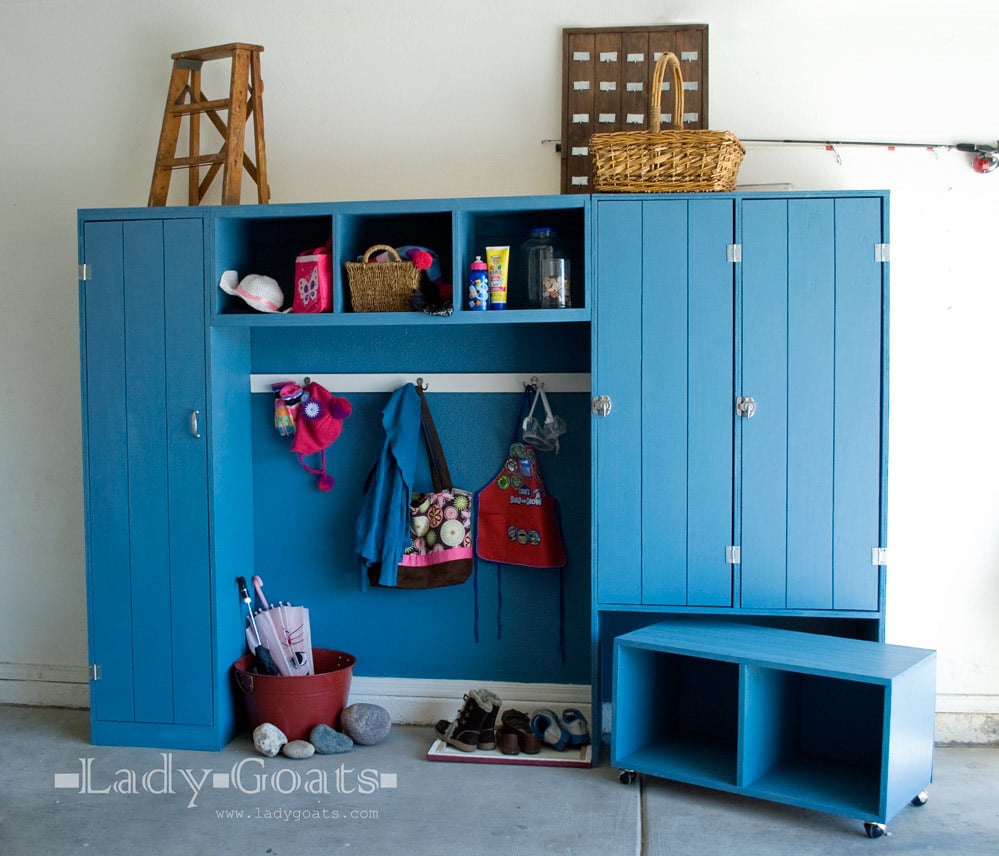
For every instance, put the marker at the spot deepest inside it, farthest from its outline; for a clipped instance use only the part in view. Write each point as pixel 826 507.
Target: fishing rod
pixel 986 158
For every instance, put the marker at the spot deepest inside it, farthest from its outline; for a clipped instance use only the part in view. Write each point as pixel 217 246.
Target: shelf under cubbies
pixel 401 319
pixel 832 724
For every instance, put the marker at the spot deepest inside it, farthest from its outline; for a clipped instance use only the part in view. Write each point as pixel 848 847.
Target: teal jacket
pixel 383 519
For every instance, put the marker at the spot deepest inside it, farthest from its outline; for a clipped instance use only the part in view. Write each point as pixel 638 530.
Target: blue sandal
pixel 577 726
pixel 546 725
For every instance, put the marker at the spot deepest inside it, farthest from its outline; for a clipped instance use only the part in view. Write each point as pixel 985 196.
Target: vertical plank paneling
pixel 709 403
pixel 617 372
pixel 764 378
pixel 664 396
pixel 858 403
pixel 144 391
pixel 190 592
pixel 811 275
pixel 110 583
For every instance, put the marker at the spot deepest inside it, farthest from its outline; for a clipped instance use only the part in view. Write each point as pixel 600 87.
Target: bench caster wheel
pixel 919 799
pixel 874 830
pixel 627 777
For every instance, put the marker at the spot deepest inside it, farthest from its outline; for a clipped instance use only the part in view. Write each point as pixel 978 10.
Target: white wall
pixel 393 99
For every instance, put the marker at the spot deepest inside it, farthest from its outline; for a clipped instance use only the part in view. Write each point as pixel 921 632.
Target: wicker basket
pixel 381 286
pixel 671 161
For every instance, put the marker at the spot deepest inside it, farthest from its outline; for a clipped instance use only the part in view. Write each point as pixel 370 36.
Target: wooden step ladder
pixel 185 99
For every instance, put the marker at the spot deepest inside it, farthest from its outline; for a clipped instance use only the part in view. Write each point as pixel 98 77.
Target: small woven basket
pixel 670 161
pixel 381 286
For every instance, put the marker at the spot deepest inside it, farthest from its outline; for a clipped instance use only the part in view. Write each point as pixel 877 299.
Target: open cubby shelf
pixel 832 724
pixel 251 242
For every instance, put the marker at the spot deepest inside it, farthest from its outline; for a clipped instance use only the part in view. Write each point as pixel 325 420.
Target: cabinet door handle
pixel 194 424
pixel 745 406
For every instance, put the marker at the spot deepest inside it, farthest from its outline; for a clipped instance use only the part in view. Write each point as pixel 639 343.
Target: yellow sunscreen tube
pixel 497 261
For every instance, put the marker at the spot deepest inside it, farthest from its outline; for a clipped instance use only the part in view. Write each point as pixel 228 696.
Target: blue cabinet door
pixel 811 333
pixel 663 352
pixel 146 474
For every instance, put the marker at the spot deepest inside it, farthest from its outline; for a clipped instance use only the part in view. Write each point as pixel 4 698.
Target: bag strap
pixel 439 472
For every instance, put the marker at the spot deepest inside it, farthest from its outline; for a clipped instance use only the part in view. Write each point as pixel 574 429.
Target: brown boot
pixel 464 731
pixel 487 737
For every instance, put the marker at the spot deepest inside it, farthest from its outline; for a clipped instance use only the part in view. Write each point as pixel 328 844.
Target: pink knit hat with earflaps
pixel 319 423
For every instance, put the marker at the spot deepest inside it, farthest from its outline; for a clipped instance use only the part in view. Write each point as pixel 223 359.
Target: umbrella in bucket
pixel 265 662
pixel 284 630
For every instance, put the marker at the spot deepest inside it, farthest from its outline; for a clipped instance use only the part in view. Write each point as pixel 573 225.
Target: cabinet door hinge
pixel 733 555
pixel 879 556
pixel 83 271
pixel 882 252
pixel 95 672
pixel 733 252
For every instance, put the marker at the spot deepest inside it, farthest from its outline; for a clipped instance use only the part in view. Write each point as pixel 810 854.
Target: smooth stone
pixel 298 749
pixel 268 739
pixel 365 723
pixel 328 741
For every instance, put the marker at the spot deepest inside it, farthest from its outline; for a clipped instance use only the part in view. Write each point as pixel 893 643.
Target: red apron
pixel 518 521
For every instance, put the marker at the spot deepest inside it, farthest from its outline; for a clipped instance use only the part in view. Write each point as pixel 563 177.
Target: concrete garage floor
pixel 387 799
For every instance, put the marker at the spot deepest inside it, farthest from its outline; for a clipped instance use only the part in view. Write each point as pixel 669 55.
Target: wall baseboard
pixel 970 719
pixel 416 701
pixel 44 685
pixel 960 719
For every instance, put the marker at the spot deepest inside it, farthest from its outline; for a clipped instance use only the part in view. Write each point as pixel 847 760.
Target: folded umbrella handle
pixel 258 587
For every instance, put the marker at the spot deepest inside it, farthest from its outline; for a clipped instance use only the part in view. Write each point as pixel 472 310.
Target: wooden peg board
pixel 606 76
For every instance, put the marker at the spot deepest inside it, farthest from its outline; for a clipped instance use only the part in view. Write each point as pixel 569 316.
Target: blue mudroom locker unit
pixel 722 371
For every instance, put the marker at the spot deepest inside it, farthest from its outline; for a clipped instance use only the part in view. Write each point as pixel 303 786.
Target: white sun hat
pixel 261 292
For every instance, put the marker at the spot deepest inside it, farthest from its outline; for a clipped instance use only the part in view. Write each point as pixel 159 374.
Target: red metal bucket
pixel 297 704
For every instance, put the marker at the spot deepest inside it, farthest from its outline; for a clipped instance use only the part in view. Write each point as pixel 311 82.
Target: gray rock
pixel 268 739
pixel 365 723
pixel 298 749
pixel 329 741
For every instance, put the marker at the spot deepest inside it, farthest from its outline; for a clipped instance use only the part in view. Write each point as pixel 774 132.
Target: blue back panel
pixel 617 372
pixel 305 539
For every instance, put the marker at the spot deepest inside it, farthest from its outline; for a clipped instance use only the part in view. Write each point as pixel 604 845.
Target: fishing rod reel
pixel 986 157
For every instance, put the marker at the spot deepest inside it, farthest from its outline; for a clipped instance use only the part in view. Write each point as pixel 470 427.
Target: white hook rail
pixel 457 382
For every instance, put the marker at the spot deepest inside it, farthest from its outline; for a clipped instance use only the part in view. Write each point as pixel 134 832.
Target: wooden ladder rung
pixel 199 107
pixel 200 160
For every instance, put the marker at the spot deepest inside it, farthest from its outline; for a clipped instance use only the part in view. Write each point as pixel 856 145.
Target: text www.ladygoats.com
pixel 293 815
